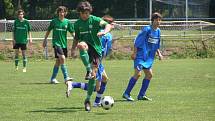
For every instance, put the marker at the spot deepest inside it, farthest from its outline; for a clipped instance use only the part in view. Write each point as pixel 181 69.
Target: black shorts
pixel 18 45
pixel 60 51
pixel 94 57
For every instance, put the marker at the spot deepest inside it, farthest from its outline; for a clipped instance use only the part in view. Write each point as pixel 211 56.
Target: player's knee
pixel 137 76
pixel 82 46
pixel 149 76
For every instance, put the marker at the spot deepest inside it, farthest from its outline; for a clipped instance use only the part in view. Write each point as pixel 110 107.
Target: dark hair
pixel 20 11
pixel 84 6
pixel 61 8
pixel 108 19
pixel 155 16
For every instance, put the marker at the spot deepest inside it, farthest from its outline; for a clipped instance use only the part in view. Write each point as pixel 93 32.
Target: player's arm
pixel 45 39
pixel 29 33
pixel 51 26
pixel 159 54
pixel 106 29
pixel 133 55
pixel 13 33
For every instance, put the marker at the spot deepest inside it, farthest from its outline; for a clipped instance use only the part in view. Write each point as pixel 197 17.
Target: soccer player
pixel 60 26
pixel 21 31
pixel 101 75
pixel 87 33
pixel 146 44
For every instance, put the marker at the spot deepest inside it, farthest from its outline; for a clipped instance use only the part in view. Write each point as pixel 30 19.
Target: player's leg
pixel 83 48
pixel 131 84
pixel 62 54
pixel 16 59
pixel 101 90
pixel 24 57
pixel 95 59
pixel 53 79
pixel 55 70
pixel 145 85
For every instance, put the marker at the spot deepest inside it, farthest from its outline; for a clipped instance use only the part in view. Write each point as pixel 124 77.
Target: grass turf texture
pixel 181 90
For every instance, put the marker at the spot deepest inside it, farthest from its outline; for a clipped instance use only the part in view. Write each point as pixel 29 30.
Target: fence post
pixel 5 28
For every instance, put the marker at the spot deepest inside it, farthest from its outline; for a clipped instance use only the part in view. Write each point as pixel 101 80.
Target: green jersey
pixel 21 30
pixel 60 28
pixel 87 30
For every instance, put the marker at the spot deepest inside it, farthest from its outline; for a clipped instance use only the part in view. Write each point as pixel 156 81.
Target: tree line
pixel 45 9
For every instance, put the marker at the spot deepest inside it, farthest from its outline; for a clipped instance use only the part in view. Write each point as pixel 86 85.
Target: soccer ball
pixel 107 102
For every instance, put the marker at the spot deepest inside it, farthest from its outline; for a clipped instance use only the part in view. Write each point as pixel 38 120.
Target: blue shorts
pixel 140 64
pixel 100 72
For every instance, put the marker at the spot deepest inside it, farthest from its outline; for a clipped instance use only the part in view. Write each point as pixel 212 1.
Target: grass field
pixel 182 90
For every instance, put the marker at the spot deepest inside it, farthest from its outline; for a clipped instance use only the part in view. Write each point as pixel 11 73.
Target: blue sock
pixel 54 72
pixel 130 86
pixel 64 71
pixel 76 84
pixel 145 85
pixel 100 92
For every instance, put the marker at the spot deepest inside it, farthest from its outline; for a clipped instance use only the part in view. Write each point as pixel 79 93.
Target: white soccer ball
pixel 107 102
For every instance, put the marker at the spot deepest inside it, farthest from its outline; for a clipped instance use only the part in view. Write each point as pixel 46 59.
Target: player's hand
pixel 99 34
pixel 133 56
pixel 44 43
pixel 160 57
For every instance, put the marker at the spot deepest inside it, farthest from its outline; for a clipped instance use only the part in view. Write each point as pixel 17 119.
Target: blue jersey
pixel 106 41
pixel 147 42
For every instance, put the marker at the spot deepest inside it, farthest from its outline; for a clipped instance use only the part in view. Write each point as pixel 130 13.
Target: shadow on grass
pixel 57 110
pixel 35 83
pixel 122 100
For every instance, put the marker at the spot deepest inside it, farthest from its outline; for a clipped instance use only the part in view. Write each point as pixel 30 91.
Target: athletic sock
pixel 64 71
pixel 130 86
pixel 54 72
pixel 100 92
pixel 145 85
pixel 85 59
pixel 24 62
pixel 91 87
pixel 16 61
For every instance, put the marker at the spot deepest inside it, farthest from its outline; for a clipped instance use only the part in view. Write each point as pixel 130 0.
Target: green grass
pixel 182 90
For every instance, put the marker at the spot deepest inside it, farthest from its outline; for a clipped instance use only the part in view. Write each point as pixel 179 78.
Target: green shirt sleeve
pixel 100 20
pixel 51 25
pixel 77 33
pixel 29 26
pixel 71 27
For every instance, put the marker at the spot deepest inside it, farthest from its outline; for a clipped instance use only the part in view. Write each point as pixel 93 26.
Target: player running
pixel 87 33
pixel 60 26
pixel 21 31
pixel 146 44
pixel 101 75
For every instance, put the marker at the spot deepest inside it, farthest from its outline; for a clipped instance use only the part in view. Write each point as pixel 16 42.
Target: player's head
pixel 109 19
pixel 156 19
pixel 84 9
pixel 61 11
pixel 20 13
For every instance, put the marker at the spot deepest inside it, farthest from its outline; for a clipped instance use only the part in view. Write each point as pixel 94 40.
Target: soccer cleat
pixel 87 106
pixel 144 98
pixel 88 75
pixel 69 88
pixel 54 81
pixel 24 70
pixel 127 97
pixel 96 104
